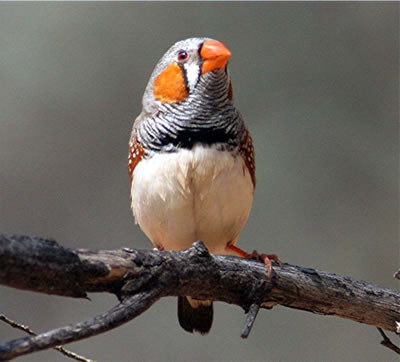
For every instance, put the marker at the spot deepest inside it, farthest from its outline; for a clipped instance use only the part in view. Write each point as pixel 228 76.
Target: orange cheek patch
pixel 169 86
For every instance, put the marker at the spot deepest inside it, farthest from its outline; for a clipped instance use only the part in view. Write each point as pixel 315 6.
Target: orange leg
pixel 265 258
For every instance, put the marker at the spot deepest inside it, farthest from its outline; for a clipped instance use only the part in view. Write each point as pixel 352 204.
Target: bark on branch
pixel 140 277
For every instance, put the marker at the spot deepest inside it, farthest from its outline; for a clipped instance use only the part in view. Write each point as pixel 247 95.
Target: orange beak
pixel 215 55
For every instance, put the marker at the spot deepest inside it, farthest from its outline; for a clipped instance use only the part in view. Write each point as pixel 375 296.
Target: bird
pixel 191 161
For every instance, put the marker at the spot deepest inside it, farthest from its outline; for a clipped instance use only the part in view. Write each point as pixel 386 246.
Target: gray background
pixel 318 86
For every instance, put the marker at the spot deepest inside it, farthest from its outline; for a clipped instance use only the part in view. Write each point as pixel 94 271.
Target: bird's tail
pixel 195 315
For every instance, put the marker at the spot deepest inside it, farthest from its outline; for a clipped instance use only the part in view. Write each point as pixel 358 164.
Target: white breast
pixel 199 194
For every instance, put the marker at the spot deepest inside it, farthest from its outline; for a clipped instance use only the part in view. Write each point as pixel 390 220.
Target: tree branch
pixel 140 277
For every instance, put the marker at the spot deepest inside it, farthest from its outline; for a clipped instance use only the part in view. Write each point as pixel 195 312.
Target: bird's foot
pixel 265 258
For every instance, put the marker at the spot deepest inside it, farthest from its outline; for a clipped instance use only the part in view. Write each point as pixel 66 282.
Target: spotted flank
pixel 136 153
pixel 247 152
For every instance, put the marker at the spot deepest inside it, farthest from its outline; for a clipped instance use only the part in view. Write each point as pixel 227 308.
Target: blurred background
pixel 318 84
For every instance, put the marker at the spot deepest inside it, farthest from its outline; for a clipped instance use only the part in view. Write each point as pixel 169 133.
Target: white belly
pixel 199 194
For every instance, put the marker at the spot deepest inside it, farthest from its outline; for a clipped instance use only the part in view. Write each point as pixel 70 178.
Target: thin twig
pixel 29 331
pixel 17 325
pixel 120 314
pixel 250 319
pixel 387 342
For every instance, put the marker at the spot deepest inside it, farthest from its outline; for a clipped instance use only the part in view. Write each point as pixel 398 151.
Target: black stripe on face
pixel 192 75
pixel 199 51
pixel 201 58
pixel 184 77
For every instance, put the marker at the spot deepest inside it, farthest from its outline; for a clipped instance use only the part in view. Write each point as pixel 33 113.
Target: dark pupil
pixel 182 55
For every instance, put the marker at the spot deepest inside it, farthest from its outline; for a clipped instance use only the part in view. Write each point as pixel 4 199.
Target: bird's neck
pixel 207 117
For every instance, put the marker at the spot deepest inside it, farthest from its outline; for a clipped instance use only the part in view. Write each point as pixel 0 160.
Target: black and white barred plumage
pixel 206 116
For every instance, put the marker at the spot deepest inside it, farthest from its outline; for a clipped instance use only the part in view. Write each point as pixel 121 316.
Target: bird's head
pixel 179 72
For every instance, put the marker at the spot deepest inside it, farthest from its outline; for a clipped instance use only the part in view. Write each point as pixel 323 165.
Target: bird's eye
pixel 182 55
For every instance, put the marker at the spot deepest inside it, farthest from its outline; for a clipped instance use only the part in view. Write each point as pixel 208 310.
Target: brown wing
pixel 136 153
pixel 247 152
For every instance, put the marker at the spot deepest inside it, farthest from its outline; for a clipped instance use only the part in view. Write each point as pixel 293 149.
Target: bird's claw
pixel 266 259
